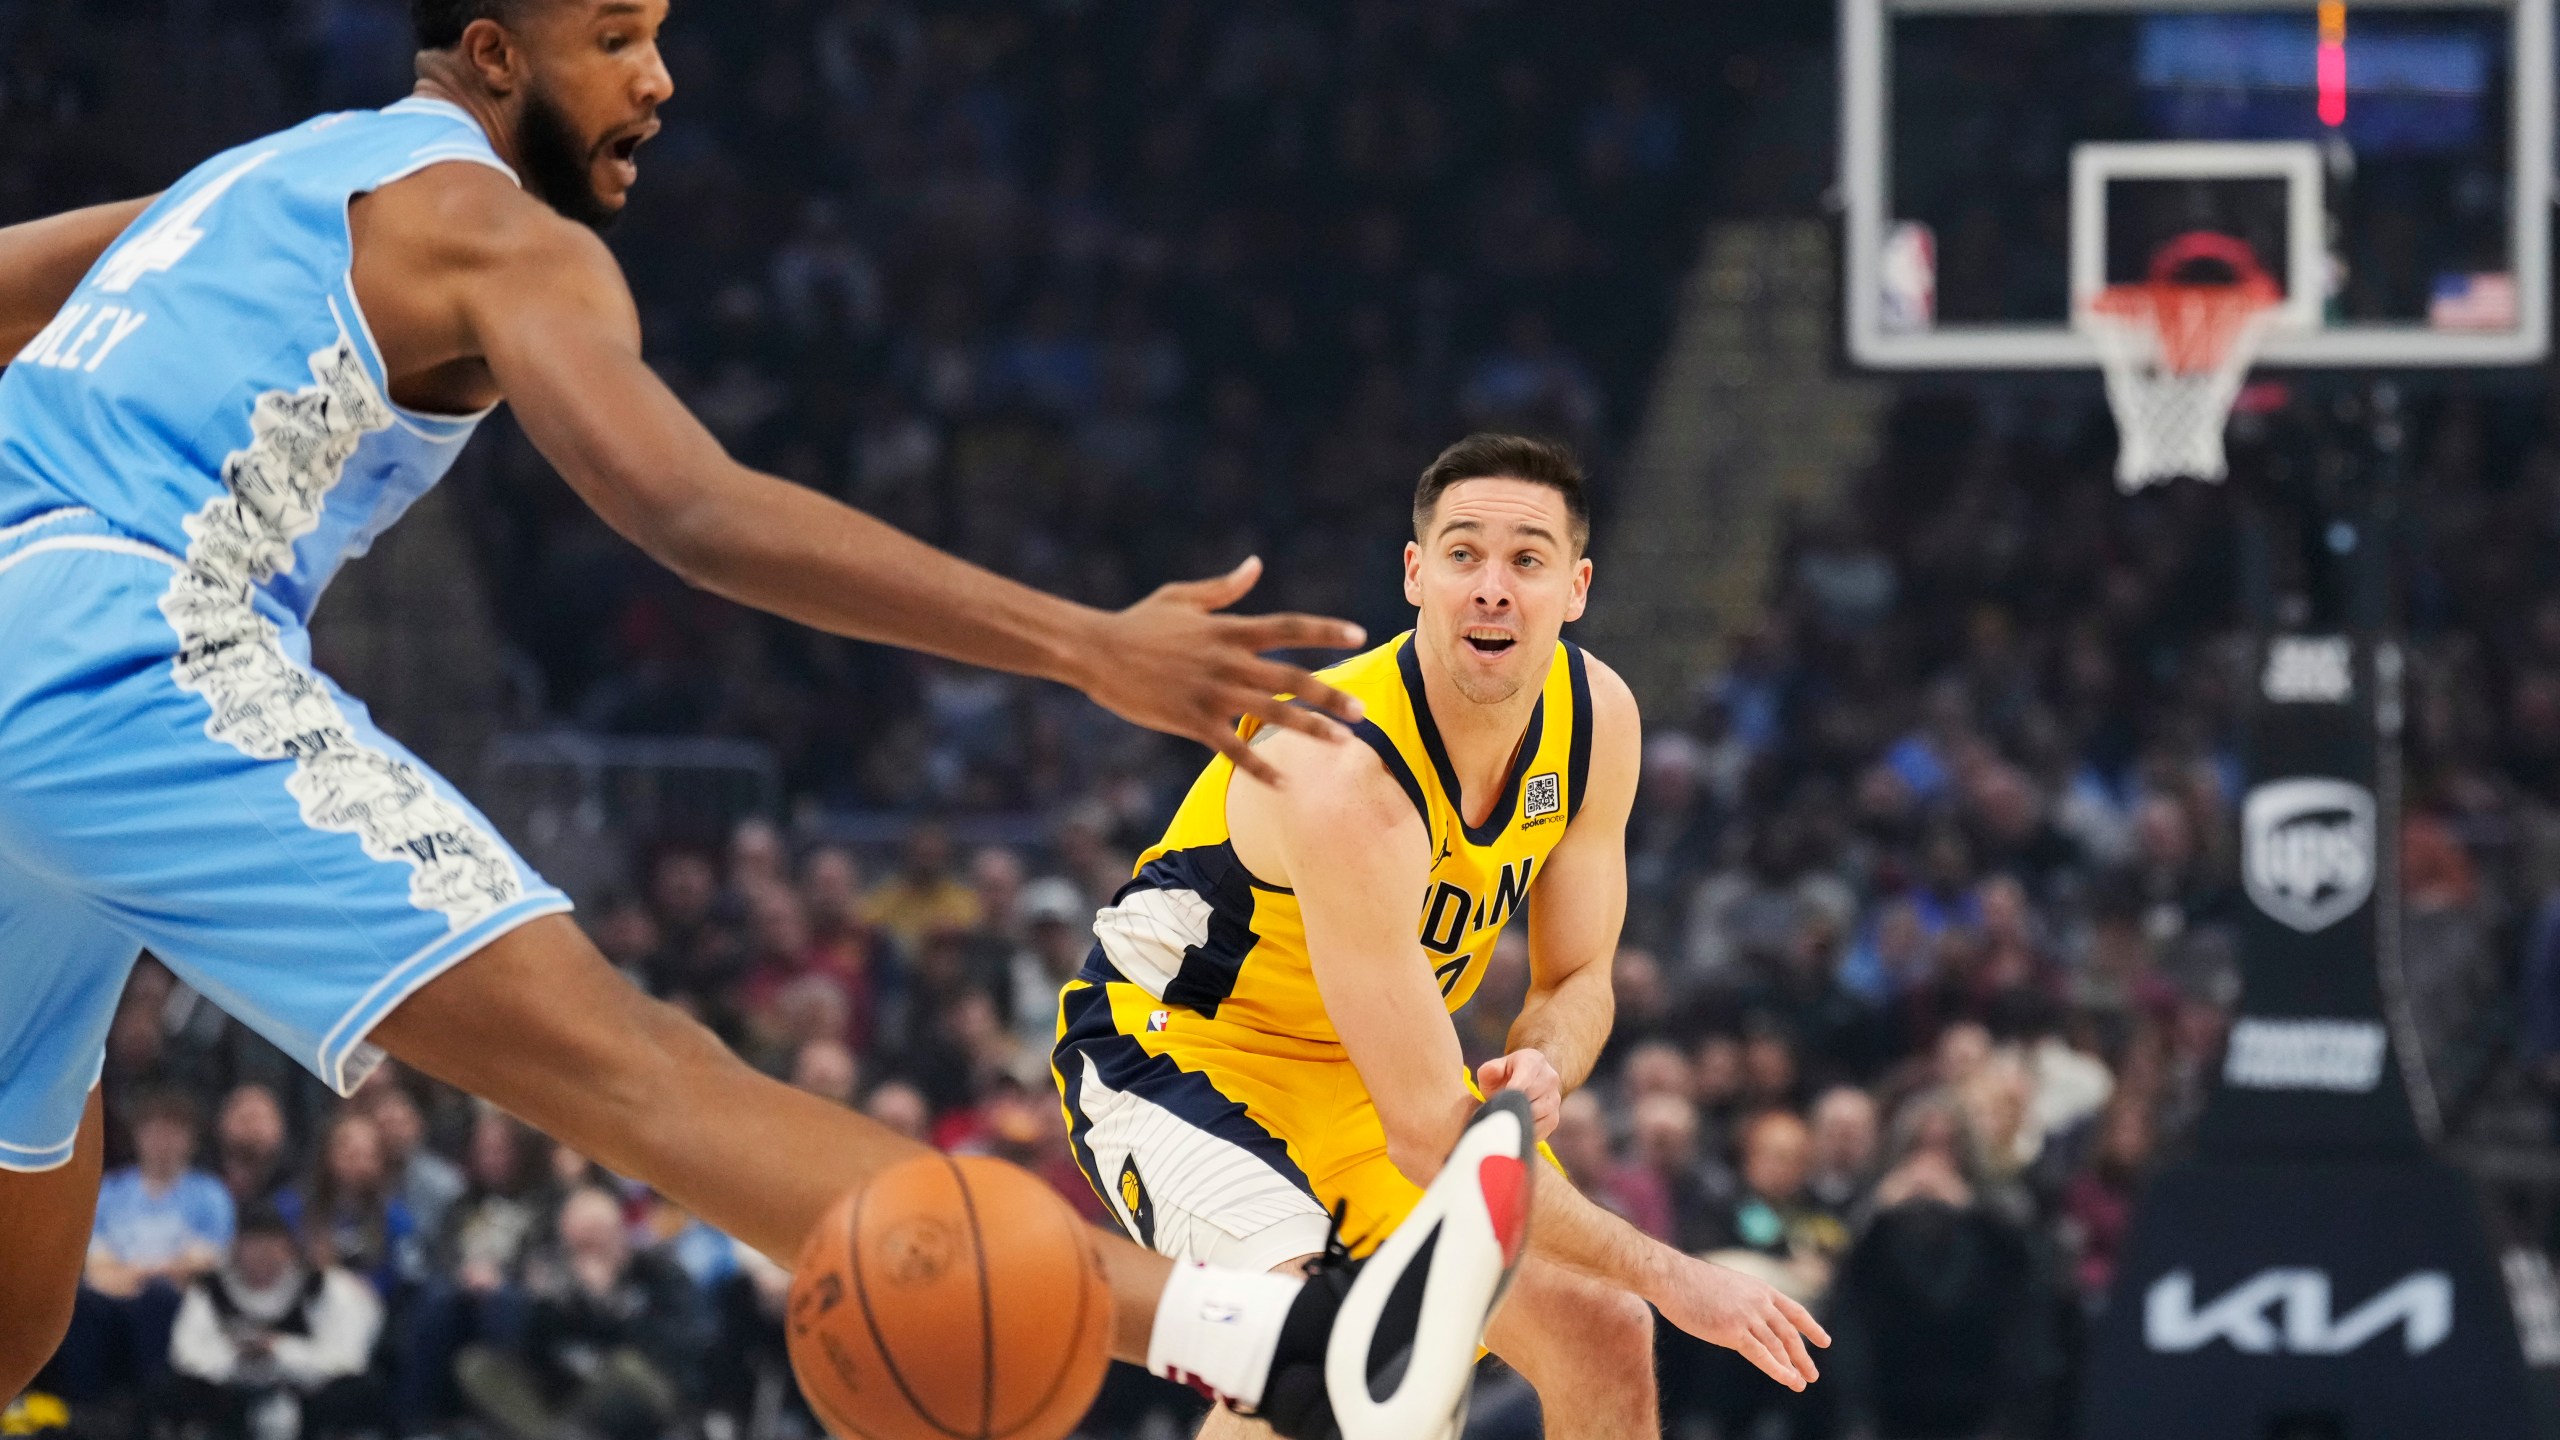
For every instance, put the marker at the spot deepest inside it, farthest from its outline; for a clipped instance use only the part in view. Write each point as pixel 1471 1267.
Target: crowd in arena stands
pixel 1928 959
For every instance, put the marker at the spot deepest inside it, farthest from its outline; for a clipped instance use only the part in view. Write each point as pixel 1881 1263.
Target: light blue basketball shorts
pixel 219 804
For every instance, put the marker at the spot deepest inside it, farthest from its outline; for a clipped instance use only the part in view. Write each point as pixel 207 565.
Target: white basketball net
pixel 2175 357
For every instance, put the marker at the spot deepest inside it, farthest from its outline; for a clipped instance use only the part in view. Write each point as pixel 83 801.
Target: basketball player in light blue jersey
pixel 220 395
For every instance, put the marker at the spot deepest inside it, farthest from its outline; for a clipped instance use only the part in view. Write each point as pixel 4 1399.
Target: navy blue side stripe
pixel 1578 765
pixel 1376 739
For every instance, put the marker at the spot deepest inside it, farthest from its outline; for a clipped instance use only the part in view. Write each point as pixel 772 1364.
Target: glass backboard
pixel 2389 164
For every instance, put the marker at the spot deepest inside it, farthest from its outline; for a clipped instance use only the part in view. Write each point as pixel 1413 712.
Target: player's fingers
pixel 1491 1074
pixel 1797 1355
pixel 1228 743
pixel 1803 1320
pixel 1271 677
pixel 1218 591
pixel 1751 1347
pixel 1767 1330
pixel 1271 710
pixel 1299 632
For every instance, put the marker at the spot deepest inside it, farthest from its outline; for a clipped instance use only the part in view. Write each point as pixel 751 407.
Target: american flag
pixel 2474 302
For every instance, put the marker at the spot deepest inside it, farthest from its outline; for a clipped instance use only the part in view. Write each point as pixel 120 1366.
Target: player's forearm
pixel 1569 1023
pixel 1565 1226
pixel 41 263
pixel 795 553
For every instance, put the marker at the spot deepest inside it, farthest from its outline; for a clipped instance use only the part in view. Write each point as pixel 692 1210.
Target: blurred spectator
pixel 1775 1216
pixel 901 1107
pixel 1697 1187
pixel 826 1069
pixel 426 1182
pixel 264 1347
pixel 1059 932
pixel 608 1343
pixel 352 1213
pixel 249 1145
pixel 923 898
pixel 1843 1160
pixel 1938 1325
pixel 1581 1141
pixel 159 1225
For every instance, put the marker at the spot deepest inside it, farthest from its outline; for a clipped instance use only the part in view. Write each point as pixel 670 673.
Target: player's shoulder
pixel 470 216
pixel 1339 781
pixel 1613 702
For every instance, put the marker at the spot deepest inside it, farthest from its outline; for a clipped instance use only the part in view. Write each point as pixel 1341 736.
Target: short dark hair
pixel 439 24
pixel 176 1107
pixel 262 1217
pixel 1489 456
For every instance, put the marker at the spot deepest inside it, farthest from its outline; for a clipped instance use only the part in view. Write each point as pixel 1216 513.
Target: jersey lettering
pixel 172 235
pixel 1444 924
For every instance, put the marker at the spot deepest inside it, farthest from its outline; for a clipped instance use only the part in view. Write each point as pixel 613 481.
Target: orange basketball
pixel 953 1298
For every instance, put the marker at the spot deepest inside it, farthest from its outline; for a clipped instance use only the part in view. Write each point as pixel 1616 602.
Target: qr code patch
pixel 1540 798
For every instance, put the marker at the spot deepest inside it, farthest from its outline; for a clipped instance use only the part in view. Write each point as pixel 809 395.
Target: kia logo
pixel 2286 1312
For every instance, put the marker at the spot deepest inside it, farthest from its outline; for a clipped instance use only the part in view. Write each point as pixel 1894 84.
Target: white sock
pixel 1216 1329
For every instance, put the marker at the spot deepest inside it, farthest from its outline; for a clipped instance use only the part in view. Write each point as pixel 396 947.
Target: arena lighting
pixel 2333 63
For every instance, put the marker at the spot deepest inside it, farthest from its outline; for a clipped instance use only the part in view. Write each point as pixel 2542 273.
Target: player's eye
pixel 615 44
pixel 1462 554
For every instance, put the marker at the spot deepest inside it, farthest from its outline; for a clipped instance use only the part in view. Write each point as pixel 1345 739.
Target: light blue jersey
pixel 188 454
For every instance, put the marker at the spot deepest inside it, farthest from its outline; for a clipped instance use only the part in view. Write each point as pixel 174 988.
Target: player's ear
pixel 1413 573
pixel 493 54
pixel 1573 608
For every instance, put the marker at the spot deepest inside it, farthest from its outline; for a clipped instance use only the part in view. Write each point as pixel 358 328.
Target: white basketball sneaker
pixel 1384 1348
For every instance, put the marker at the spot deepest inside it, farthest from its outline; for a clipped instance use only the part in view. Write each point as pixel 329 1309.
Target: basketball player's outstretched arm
pixel 1347 840
pixel 542 302
pixel 1580 901
pixel 41 263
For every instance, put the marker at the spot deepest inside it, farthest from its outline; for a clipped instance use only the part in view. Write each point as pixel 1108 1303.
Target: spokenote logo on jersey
pixel 1541 797
pixel 2307 850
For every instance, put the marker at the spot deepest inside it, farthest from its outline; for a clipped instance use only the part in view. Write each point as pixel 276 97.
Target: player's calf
pixel 44 1235
pixel 1586 1347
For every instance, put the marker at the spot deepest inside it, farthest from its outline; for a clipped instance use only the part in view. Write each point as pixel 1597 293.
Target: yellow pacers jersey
pixel 1208 1098
pixel 1252 969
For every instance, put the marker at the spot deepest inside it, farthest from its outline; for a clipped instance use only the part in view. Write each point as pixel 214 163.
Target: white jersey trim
pixel 268 707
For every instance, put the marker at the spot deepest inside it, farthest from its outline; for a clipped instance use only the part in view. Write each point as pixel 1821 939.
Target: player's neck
pixel 1483 740
pixel 482 108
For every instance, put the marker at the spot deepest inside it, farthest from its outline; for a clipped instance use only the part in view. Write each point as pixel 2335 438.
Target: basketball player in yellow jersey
pixel 1262 1032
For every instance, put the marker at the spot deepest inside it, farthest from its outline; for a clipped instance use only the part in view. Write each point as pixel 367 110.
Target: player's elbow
pixel 1417 1145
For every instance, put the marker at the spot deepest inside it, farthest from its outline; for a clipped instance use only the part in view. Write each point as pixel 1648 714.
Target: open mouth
pixel 1489 642
pixel 623 150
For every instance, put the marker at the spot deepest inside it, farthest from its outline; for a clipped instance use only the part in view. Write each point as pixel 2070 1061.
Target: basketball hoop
pixel 2176 350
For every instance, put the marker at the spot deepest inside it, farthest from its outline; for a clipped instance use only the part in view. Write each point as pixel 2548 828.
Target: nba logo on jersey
pixel 1540 798
pixel 1158 1019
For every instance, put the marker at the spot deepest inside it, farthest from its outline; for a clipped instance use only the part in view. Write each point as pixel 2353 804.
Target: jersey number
pixel 173 234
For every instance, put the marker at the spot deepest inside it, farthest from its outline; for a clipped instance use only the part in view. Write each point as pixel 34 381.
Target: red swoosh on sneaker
pixel 1505 1184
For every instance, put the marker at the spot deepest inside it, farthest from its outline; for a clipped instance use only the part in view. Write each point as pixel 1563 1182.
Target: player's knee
pixel 661 1052
pixel 1617 1330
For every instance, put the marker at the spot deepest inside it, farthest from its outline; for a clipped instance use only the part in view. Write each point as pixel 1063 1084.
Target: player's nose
pixel 657 82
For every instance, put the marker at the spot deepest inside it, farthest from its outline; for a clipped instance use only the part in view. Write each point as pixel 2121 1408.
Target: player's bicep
pixel 1359 858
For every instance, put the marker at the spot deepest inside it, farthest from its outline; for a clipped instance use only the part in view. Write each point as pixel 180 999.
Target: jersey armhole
pixel 1578 757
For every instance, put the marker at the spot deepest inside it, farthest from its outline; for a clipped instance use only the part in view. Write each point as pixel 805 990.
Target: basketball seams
pixel 879 1342
pixel 986 1304
pixel 1075 1328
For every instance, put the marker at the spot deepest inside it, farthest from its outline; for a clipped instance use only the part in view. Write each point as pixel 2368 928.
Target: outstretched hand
pixel 1171 663
pixel 1728 1308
